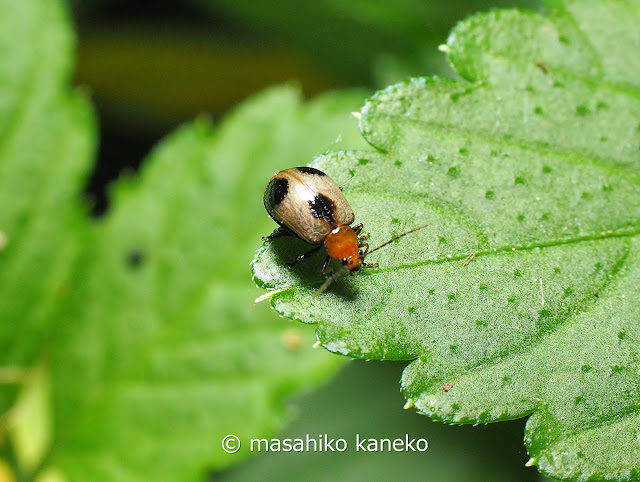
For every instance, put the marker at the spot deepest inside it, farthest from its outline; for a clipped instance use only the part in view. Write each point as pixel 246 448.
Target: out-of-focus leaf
pixel 166 355
pixel 46 141
pixel 350 407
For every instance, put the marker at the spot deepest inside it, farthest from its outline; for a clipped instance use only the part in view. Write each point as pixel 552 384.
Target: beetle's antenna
pixel 393 238
pixel 330 280
pixel 344 268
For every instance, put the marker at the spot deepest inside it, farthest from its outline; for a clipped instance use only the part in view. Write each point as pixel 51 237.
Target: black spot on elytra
pixel 322 208
pixel 311 170
pixel 278 189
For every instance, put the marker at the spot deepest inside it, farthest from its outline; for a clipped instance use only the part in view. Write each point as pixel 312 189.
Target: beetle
pixel 307 203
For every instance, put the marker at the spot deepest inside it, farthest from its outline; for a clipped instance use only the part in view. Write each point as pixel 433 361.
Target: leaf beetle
pixel 307 203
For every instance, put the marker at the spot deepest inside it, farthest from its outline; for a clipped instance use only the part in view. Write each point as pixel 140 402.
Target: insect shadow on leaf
pixel 286 250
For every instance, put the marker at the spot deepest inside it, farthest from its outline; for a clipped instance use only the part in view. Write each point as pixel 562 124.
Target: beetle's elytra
pixel 308 202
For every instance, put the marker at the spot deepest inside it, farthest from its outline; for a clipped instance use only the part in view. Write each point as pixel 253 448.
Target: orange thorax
pixel 342 244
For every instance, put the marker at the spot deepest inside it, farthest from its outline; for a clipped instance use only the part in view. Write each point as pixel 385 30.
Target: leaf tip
pixel 317 344
pixel 267 295
pixel 337 346
pixel 409 404
pixel 531 462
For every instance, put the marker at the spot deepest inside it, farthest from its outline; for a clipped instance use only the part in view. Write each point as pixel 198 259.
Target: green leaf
pixel 169 355
pixel 46 141
pixel 530 163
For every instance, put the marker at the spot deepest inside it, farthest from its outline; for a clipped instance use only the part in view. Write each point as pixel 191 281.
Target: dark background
pixel 150 66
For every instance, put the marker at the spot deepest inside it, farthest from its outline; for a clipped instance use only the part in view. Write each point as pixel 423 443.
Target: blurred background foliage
pixel 150 66
pixel 153 65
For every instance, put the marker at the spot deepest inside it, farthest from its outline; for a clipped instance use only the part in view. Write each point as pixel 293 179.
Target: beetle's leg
pixel 357 229
pixel 304 256
pixel 363 254
pixel 325 264
pixel 278 233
